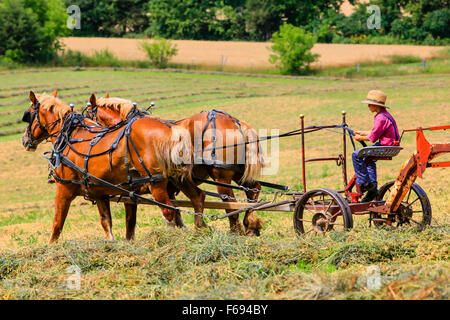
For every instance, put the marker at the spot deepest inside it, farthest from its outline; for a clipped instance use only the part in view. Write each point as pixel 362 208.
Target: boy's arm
pixel 362 133
pixel 361 137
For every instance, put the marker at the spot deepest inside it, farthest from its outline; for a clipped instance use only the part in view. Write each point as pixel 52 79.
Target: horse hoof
pixel 170 225
pixel 253 233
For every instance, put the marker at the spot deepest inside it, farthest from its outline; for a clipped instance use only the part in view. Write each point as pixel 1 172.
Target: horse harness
pixel 212 116
pixel 74 120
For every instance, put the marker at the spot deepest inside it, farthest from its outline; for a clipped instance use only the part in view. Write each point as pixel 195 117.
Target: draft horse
pixel 213 129
pixel 81 143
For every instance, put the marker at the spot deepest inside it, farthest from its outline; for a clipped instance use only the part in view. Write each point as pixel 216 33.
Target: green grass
pixel 214 264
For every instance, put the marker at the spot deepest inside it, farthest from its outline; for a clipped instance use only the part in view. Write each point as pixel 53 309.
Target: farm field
pixel 249 55
pixel 214 264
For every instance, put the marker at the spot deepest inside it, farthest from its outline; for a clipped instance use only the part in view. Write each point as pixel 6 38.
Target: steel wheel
pixel 415 209
pixel 321 210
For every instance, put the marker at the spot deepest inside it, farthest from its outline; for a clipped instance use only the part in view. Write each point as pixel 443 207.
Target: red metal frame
pixel 426 149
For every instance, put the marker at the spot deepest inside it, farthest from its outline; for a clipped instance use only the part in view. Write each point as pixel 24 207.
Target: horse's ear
pixel 33 98
pixel 107 95
pixel 55 93
pixel 93 100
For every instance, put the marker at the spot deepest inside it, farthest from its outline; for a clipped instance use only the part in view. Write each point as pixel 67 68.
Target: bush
pixel 159 51
pixel 103 58
pixel 292 47
pixel 438 23
pixel 29 29
pixel 396 59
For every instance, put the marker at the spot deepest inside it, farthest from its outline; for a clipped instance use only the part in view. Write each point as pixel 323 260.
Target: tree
pixel 111 18
pixel 30 29
pixel 438 23
pixel 185 19
pixel 262 18
pixel 292 47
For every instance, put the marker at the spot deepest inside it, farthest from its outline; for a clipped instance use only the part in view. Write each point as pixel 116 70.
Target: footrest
pixel 379 152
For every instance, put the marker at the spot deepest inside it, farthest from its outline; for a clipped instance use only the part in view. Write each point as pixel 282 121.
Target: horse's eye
pixel 26 117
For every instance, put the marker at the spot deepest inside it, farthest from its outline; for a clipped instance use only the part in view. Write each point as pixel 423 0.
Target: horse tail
pixel 174 155
pixel 254 156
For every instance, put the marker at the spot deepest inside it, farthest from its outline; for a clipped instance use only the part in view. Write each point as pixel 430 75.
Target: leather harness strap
pixel 75 120
pixel 212 117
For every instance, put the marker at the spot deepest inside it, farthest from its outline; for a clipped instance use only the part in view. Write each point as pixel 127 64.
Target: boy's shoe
pixel 365 187
pixel 372 192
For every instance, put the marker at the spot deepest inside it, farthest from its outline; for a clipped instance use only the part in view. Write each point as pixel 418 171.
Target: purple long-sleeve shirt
pixel 383 129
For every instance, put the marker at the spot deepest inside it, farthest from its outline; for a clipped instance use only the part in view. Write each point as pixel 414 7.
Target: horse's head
pixel 108 111
pixel 42 117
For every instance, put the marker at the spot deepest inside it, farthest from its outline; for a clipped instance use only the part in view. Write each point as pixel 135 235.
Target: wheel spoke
pixel 410 204
pixel 329 206
pixel 336 214
pixel 410 219
pixel 409 193
pixel 313 203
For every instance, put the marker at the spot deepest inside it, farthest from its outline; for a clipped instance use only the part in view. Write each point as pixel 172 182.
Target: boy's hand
pixel 360 138
pixel 362 133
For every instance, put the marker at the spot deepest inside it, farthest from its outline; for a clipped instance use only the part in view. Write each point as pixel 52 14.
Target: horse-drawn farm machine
pixel 320 210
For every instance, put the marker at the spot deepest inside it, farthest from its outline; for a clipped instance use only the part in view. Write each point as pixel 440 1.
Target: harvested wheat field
pixel 248 54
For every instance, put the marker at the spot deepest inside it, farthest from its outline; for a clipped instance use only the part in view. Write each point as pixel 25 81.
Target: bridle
pixel 29 118
pixel 90 113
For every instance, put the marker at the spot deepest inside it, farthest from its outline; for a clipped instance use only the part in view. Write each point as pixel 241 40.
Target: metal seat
pixel 379 152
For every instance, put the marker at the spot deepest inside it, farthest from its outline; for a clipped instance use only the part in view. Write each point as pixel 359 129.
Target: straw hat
pixel 376 97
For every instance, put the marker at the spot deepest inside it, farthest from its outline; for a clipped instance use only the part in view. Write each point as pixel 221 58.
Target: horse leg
pixel 159 192
pixel 63 198
pixel 104 210
pixel 225 176
pixel 252 223
pixel 130 211
pixel 235 224
pixel 197 197
pixel 172 190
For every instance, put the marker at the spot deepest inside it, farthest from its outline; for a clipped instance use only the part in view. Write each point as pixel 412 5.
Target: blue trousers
pixel 363 172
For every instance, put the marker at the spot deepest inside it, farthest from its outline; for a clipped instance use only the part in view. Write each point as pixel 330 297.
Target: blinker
pixel 27 117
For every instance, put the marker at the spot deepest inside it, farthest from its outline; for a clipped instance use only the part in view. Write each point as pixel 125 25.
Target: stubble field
pixel 249 55
pixel 213 264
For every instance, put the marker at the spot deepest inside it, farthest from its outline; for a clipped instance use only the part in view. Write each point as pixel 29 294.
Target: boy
pixel 385 130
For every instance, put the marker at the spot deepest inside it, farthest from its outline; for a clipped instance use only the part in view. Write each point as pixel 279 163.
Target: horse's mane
pixel 124 107
pixel 47 102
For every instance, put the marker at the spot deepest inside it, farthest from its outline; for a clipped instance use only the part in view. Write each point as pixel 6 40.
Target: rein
pixel 289 134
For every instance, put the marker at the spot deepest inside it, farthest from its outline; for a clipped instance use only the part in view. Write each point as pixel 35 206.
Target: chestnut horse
pixel 154 143
pixel 227 131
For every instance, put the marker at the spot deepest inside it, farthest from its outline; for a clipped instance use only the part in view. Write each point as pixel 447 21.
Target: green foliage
pixel 438 23
pixel 262 19
pixel 184 19
pixel 104 58
pixel 425 22
pixel 159 51
pixel 404 59
pixel 111 18
pixel 292 47
pixel 29 29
